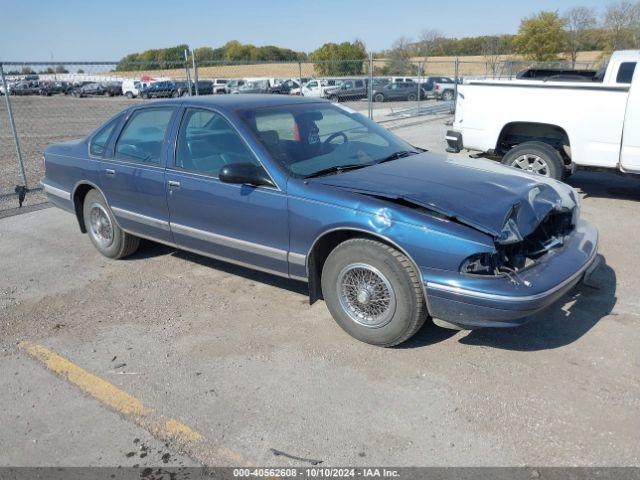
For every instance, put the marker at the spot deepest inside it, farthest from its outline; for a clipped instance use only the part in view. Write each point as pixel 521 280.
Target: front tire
pixel 536 157
pixel 412 97
pixel 105 234
pixel 447 95
pixel 373 292
pixel 378 97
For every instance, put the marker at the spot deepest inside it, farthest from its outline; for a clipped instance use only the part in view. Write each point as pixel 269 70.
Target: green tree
pixel 342 59
pixel 541 37
pixel 61 69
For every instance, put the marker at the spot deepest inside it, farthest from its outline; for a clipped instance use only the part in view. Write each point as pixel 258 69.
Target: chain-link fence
pixel 52 102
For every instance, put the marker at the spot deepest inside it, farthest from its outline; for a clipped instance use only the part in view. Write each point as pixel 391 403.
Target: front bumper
pixel 454 141
pixel 479 301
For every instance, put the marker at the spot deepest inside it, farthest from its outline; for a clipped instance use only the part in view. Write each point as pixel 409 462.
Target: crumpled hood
pixel 497 200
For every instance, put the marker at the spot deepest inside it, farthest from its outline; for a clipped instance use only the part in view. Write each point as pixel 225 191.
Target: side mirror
pixel 245 173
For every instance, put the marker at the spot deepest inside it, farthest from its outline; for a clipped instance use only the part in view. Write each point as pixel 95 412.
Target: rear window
pixel 625 72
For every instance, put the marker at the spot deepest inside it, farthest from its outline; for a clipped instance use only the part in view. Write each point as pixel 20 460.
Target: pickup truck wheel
pixel 412 97
pixel 378 97
pixel 373 292
pixel 129 95
pixel 104 232
pixel 447 95
pixel 536 157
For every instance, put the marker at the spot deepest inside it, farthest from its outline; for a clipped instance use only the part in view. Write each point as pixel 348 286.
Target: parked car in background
pixel 444 91
pixel 24 88
pixel 131 88
pixel 428 84
pixel 89 90
pixel 219 85
pixel 349 89
pixel 234 85
pixel 162 89
pixel 288 87
pixel 551 127
pixel 54 88
pixel 112 89
pixel 388 238
pixel 318 87
pixel 397 91
pixel 254 86
pixel 205 87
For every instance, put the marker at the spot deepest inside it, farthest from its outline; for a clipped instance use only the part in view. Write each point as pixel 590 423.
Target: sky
pixel 106 30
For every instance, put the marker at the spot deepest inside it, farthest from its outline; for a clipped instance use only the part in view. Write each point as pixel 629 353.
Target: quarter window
pixel 100 139
pixel 207 142
pixel 625 72
pixel 142 137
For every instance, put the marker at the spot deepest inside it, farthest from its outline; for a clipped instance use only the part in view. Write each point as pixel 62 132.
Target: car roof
pixel 240 102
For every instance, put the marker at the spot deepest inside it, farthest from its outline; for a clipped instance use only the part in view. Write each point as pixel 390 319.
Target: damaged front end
pixel 513 252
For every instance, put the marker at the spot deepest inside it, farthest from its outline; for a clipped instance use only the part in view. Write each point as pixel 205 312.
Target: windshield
pixel 310 138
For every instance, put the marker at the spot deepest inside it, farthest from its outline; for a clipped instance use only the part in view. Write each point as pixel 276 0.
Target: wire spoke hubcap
pixel 531 163
pixel 100 225
pixel 366 295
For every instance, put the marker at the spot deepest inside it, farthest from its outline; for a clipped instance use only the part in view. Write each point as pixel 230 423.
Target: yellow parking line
pixel 114 398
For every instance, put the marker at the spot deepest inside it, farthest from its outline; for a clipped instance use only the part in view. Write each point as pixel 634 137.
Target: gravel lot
pixel 241 358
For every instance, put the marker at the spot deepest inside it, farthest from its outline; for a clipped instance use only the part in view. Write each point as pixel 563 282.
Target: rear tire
pixel 373 292
pixel 412 97
pixel 537 158
pixel 447 95
pixel 378 97
pixel 129 95
pixel 105 234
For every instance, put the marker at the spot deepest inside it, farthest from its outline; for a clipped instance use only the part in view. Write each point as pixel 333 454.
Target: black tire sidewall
pixel 378 97
pixel 378 256
pixel 113 250
pixel 549 154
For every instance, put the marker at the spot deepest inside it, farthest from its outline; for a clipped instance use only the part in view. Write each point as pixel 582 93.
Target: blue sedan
pixel 386 233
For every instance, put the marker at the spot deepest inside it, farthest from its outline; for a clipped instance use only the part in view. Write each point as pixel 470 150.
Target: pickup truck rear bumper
pixel 477 302
pixel 454 141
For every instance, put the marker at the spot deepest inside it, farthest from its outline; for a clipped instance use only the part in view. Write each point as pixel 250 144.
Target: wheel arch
pixel 80 191
pixel 329 239
pixel 515 133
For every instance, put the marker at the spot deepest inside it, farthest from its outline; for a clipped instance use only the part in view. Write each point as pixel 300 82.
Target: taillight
pixel 437 87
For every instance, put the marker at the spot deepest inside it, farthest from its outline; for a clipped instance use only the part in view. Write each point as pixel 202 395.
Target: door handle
pixel 173 185
pixel 110 172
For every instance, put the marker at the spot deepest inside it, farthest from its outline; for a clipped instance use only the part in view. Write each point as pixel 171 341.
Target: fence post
pixel 12 123
pixel 195 71
pixel 300 76
pixel 370 89
pixel 186 67
pixel 419 87
pixel 455 85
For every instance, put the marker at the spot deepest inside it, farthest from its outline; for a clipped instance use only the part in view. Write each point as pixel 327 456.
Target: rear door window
pixel 142 137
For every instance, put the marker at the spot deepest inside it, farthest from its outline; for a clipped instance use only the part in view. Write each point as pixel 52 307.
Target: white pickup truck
pixel 552 125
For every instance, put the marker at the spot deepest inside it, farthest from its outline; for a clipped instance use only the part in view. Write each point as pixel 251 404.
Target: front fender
pixel 428 241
